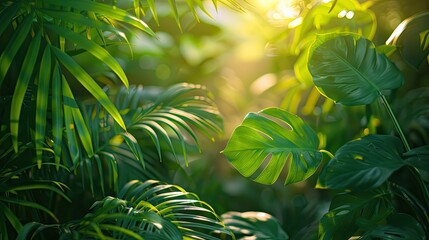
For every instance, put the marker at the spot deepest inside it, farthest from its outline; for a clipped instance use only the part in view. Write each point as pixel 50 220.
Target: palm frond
pixel 143 210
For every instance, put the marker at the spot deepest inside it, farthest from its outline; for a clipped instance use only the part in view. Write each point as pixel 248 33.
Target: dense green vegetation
pixel 124 119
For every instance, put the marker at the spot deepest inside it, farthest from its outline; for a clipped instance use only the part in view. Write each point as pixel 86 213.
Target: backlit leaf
pixel 270 140
pixel 349 70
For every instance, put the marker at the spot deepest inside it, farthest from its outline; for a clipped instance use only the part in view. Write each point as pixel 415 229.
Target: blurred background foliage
pixel 255 59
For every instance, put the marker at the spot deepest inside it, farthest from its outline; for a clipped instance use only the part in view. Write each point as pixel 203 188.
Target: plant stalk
pixel 395 122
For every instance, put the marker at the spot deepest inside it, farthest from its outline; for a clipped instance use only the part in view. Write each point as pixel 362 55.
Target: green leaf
pixel 254 225
pixel 102 54
pixel 364 163
pixel 42 102
pixel 418 157
pixel 70 128
pixel 134 147
pixel 411 36
pixel 8 14
pixel 348 69
pixel 88 82
pixel 399 226
pixel 15 43
pixel 57 113
pixel 79 122
pixel 105 10
pixel 350 212
pixel 265 141
pixel 24 78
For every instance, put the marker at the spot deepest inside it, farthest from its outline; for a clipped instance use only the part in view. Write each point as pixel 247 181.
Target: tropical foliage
pixel 91 148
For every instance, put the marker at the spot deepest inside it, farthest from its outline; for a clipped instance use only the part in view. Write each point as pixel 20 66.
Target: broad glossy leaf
pixel 412 38
pixel 350 212
pixel 364 163
pixel 349 70
pixel 21 87
pixel 270 140
pixel 399 226
pixel 254 225
pixel 89 83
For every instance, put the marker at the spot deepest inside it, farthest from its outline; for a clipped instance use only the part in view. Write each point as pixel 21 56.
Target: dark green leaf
pixel 399 226
pixel 102 54
pixel 57 113
pixel 418 157
pixel 412 38
pixel 24 78
pixel 42 102
pixel 349 70
pixel 350 212
pixel 88 82
pixel 268 140
pixel 364 163
pixel 254 225
pixel 21 33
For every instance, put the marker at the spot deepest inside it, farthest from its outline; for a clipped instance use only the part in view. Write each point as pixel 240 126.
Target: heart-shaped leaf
pixel 348 69
pixel 265 141
pixel 365 163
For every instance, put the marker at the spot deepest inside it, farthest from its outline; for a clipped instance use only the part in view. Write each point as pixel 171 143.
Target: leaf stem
pixel 327 153
pixel 395 122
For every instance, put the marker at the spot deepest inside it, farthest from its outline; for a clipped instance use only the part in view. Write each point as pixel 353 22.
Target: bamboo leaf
pixel 79 122
pixel 57 114
pixel 94 49
pixel 89 83
pixel 134 147
pixel 8 14
pixel 42 103
pixel 70 127
pixel 15 43
pixel 106 10
pixel 24 78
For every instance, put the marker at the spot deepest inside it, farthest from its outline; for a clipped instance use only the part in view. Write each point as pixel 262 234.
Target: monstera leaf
pixel 363 164
pixel 348 69
pixel 268 140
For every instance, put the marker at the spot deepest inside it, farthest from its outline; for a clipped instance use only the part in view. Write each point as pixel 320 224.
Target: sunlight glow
pixel 284 10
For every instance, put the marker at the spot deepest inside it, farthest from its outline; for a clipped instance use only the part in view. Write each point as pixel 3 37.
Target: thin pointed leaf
pixel 29 204
pixel 106 10
pixel 94 49
pixel 15 43
pixel 42 102
pixel 349 70
pixel 8 14
pixel 79 122
pixel 175 13
pixel 153 10
pixel 268 140
pixel 88 82
pixel 70 127
pixel 24 78
pixel 134 147
pixel 57 114
pixel 11 217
